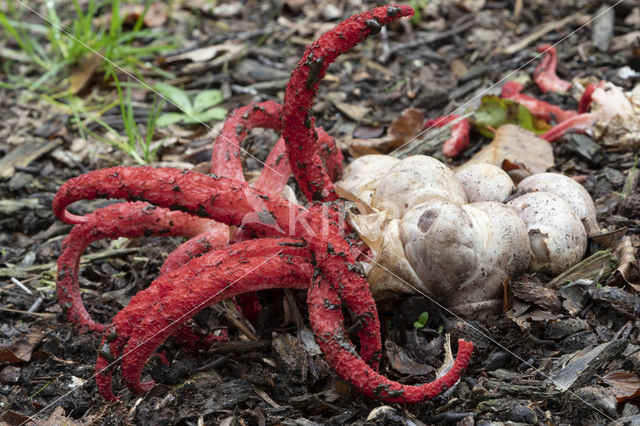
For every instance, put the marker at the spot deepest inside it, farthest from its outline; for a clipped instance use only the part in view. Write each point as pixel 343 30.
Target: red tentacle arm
pixel 130 220
pixel 225 200
pixel 327 323
pixel 233 203
pixel 298 127
pixel 217 275
pixel 215 235
pixel 225 156
pixel 545 74
pixel 336 259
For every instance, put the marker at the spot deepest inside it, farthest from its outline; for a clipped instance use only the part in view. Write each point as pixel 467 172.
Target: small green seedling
pixel 201 110
pixel 422 320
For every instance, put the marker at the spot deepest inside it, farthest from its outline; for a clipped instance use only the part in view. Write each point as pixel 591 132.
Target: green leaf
pixel 178 97
pixel 418 324
pixel 424 318
pixel 495 111
pixel 170 118
pixel 208 115
pixel 207 99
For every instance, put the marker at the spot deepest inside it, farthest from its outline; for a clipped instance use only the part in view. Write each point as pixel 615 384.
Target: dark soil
pixel 436 65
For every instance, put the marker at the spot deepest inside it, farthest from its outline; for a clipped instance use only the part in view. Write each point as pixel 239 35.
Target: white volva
pixel 486 182
pixel 556 235
pixel 464 253
pixel 414 180
pixel 569 190
pixel 426 238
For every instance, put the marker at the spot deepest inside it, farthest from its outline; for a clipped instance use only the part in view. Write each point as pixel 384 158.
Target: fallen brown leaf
pixel 20 350
pixel 156 15
pixel 624 385
pixel 517 145
pixel 626 252
pixel 82 73
pixel 407 126
pixel 402 129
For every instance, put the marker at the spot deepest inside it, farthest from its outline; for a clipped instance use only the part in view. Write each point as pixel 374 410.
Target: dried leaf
pixel 353 111
pixel 359 147
pixel 624 385
pixel 609 239
pixel 518 146
pixel 407 126
pixel 601 263
pixel 401 362
pixel 401 130
pixel 20 350
pixel 82 73
pixel 204 54
pixel 626 252
pixel 156 15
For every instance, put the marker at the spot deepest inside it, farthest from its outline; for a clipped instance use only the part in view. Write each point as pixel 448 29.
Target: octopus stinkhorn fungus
pixel 277 243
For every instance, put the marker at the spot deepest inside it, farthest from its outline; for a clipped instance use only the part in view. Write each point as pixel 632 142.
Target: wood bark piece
pixel 585 364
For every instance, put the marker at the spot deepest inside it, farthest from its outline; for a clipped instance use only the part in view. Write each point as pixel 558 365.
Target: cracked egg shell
pixel 463 253
pixel 556 235
pixel 485 182
pixel 569 190
pixel 415 180
pixel 358 176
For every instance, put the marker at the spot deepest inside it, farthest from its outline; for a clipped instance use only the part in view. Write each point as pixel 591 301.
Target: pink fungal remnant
pixel 544 110
pixel 545 74
pixel 579 124
pixel 459 139
pixel 587 96
pixel 278 244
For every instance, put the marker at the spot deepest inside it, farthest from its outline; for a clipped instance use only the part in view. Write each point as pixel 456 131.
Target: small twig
pixel 551 26
pixel 21 286
pixel 231 314
pixel 37 314
pixel 23 273
pixel 241 347
pixel 36 305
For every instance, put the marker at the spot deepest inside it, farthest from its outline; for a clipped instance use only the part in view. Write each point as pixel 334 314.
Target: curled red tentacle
pixel 225 156
pixel 579 124
pixel 212 272
pixel 328 326
pixel 298 127
pixel 336 259
pixel 545 74
pixel 587 96
pixel 276 171
pixel 541 109
pixel 225 200
pixel 130 220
